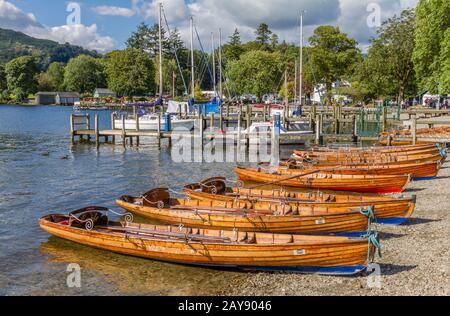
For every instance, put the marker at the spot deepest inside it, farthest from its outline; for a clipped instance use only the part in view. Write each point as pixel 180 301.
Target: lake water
pixel 35 181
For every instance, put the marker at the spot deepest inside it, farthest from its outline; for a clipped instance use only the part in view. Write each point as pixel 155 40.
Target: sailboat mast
pixel 301 58
pixel 192 59
pixel 160 51
pixel 295 79
pixel 213 62
pixel 220 63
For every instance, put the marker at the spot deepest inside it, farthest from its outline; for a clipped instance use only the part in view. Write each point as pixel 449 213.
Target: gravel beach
pixel 415 256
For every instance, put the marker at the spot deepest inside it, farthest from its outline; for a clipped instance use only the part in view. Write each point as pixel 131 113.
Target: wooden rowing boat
pixel 244 216
pixel 388 210
pixel 341 154
pixel 366 161
pixel 418 171
pixel 213 248
pixel 377 149
pixel 327 181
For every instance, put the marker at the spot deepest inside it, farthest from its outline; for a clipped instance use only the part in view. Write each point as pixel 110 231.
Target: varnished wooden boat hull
pixel 372 162
pixel 322 254
pixel 342 155
pixel 378 149
pixel 364 184
pixel 203 217
pixel 387 210
pixel 418 171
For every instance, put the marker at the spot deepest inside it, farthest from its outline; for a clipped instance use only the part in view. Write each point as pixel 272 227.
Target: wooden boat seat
pixel 154 196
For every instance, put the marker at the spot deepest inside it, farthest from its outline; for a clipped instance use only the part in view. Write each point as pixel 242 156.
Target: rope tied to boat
pixel 128 216
pixel 442 150
pixel 370 214
pixel 239 183
pixel 175 192
pixel 159 204
pixel 372 238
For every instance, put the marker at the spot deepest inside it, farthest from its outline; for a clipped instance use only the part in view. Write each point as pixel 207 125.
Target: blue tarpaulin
pixel 211 107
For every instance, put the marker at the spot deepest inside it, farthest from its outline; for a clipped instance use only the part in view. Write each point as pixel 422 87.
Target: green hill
pixel 15 44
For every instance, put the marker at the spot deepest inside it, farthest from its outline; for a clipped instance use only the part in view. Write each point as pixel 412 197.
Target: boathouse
pixel 104 93
pixel 45 98
pixel 67 98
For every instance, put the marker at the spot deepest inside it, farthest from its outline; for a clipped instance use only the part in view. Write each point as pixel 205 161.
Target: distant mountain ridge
pixel 14 44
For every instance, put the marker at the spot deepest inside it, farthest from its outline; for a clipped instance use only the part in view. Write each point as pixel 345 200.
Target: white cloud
pixel 76 34
pixel 14 18
pixel 113 11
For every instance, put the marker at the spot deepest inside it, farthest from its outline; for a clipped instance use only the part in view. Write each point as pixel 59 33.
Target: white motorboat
pixel 259 131
pixel 149 122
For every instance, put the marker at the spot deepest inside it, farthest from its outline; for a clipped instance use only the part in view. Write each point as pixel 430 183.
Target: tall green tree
pixel 257 72
pixel 3 83
pixel 433 19
pixel 131 72
pixel 444 82
pixel 333 54
pixel 263 34
pixel 53 78
pixel 83 74
pixel 146 39
pixel 389 69
pixel 21 76
pixel 233 49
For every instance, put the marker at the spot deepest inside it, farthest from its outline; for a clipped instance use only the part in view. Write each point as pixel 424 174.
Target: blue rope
pixel 372 238
pixel 370 214
pixel 442 151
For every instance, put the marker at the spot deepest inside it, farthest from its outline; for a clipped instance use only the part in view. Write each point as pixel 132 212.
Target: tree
pixel 233 49
pixel 235 39
pixel 257 72
pixel 21 76
pixel 274 41
pixel 444 82
pixel 83 74
pixel 333 54
pixel 146 39
pixel 389 66
pixel 130 72
pixel 3 83
pixel 429 63
pixel 56 72
pixel 53 78
pixel 263 34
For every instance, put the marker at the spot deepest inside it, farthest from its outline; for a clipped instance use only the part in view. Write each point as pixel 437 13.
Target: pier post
pixel 354 129
pixel 211 121
pixel 265 113
pixel 317 127
pixel 414 130
pixel 228 114
pixel 123 132
pixel 97 131
pixel 239 134
pixel 113 126
pixel 138 128
pixel 221 118
pixel 275 144
pixel 88 125
pixel 72 129
pixel 159 131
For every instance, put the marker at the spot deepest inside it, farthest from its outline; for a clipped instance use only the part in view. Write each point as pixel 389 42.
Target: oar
pixel 290 178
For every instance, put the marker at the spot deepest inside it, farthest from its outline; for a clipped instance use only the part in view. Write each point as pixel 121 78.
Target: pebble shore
pixel 415 256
